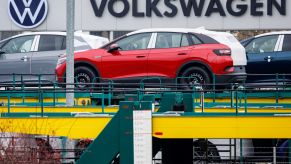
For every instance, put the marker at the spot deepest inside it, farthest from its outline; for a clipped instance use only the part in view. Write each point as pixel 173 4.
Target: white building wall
pixel 87 21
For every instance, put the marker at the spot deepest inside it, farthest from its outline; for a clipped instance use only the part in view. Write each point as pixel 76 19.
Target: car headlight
pixel 62 59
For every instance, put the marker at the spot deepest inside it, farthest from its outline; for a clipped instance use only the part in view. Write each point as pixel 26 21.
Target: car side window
pixel 134 42
pixel 51 42
pixel 18 45
pixel 195 40
pixel 169 40
pixel 185 41
pixel 287 43
pixel 262 44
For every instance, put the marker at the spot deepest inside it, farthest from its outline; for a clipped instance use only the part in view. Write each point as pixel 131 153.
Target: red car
pixel 164 53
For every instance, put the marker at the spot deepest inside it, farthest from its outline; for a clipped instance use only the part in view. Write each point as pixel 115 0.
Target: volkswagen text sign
pixel 28 13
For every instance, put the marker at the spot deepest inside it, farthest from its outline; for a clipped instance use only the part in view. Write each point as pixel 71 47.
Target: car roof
pixel 92 40
pixel 179 30
pixel 41 33
pixel 53 33
pixel 274 33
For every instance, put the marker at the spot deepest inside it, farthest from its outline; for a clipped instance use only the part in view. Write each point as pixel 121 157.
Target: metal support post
pixel 289 151
pixel 41 103
pixel 70 52
pixel 232 96
pixel 241 151
pixel 64 147
pixel 277 89
pixel 202 101
pixel 274 154
pixel 8 103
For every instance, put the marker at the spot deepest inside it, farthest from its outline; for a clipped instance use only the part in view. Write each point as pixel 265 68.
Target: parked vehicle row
pixel 195 54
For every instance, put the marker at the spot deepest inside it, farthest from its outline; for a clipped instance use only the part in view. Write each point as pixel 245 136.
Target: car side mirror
pixel 2 52
pixel 113 47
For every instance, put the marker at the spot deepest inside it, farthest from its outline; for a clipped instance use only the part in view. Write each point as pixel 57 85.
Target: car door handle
pixel 140 56
pixel 268 58
pixel 182 53
pixel 24 58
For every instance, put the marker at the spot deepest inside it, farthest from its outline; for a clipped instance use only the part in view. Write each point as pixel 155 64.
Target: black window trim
pixel 284 43
pixel 192 42
pixel 63 42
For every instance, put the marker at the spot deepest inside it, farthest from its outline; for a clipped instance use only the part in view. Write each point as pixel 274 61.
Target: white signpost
pixel 142 136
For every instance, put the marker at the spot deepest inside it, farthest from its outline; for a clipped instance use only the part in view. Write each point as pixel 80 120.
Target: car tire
pixel 195 75
pixel 83 76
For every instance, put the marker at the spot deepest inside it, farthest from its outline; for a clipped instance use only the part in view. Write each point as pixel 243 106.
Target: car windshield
pixel 1 44
pixel 18 45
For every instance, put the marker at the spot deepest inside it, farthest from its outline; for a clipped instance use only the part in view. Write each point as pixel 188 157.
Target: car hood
pixel 100 52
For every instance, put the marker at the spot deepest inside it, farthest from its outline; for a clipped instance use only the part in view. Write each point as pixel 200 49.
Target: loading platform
pixel 203 126
pixel 159 118
pixel 225 117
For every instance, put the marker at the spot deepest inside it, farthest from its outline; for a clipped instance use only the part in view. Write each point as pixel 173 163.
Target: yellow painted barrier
pixel 74 128
pixel 163 127
pixel 38 109
pixel 222 127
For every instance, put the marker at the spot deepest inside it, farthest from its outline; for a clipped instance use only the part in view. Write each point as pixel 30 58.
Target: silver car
pixel 31 54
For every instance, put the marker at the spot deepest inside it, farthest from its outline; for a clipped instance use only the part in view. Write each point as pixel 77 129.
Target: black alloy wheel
pixel 84 76
pixel 195 76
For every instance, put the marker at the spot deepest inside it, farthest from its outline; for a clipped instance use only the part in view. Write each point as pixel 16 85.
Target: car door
pixel 44 60
pixel 261 54
pixel 128 64
pixel 283 57
pixel 16 58
pixel 169 52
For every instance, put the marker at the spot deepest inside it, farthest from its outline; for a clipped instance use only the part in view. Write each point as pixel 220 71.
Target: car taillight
pixel 229 69
pixel 222 52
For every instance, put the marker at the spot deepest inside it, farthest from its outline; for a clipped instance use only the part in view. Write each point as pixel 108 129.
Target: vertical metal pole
pixel 236 101
pixel 41 103
pixel 214 89
pixel 277 89
pixel 111 36
pixel 232 96
pixel 54 99
pixel 103 101
pixel 289 151
pixel 241 151
pixel 202 100
pixel 8 103
pixel 70 52
pixel 64 148
pixel 274 155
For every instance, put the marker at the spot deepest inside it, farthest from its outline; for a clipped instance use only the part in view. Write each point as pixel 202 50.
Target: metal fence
pixel 104 92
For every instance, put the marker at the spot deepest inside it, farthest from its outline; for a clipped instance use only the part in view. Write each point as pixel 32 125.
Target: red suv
pixel 197 54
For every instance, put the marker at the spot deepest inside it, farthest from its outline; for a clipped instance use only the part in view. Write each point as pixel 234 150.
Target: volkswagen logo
pixel 27 13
